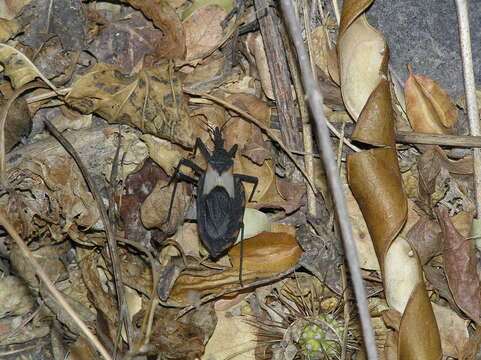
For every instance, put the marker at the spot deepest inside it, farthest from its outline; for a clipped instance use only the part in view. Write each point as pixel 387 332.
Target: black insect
pixel 220 196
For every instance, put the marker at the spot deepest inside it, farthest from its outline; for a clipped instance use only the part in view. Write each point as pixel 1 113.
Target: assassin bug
pixel 220 196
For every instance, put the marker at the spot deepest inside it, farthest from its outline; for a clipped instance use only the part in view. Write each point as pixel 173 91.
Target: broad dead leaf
pixel 460 267
pixel 151 101
pixel 172 45
pixel 203 31
pixel 428 106
pixel 64 19
pixel 255 45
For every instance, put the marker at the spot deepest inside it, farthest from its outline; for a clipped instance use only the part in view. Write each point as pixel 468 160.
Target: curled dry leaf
pixel 419 334
pixel 151 101
pixel 428 106
pixel 375 181
pixel 362 53
pixel 281 249
pixel 172 45
pixel 460 266
pixel 267 252
pixel 19 69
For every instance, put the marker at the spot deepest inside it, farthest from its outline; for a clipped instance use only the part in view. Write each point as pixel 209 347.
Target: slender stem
pixel 109 233
pixel 51 287
pixel 315 100
pixel 470 90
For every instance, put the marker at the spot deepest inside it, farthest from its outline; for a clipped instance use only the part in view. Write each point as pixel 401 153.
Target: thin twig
pixel 257 122
pixel 47 95
pixel 112 245
pixel 470 90
pixel 50 286
pixel 315 100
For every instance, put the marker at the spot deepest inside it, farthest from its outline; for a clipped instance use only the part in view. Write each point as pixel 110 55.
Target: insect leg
pixel 178 176
pixel 249 179
pixel 203 149
pixel 241 260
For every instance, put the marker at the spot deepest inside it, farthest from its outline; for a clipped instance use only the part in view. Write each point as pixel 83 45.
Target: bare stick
pixel 252 119
pixel 112 244
pixel 407 137
pixel 315 100
pixel 470 90
pixel 50 286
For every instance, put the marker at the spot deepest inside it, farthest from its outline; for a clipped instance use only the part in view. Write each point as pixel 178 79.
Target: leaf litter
pixel 130 78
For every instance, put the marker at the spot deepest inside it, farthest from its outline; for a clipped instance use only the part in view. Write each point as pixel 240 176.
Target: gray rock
pixel 425 35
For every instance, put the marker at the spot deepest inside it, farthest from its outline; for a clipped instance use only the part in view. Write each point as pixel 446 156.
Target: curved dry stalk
pixel 51 287
pixel 470 91
pixel 315 99
pixel 255 121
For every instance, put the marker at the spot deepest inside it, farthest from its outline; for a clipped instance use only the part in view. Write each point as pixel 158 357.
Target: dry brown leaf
pixel 453 330
pixel 203 31
pixel 428 106
pixel 19 69
pixel 165 154
pixel 155 208
pixel 283 252
pixel 138 186
pixel 425 238
pixel 46 190
pixel 362 238
pixel 375 125
pixel 8 28
pixel 223 345
pixel 18 123
pixel 267 252
pixel 10 9
pixel 151 101
pixel 362 55
pixel 171 337
pixel 375 180
pixel 419 335
pixel 460 266
pixel 172 45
